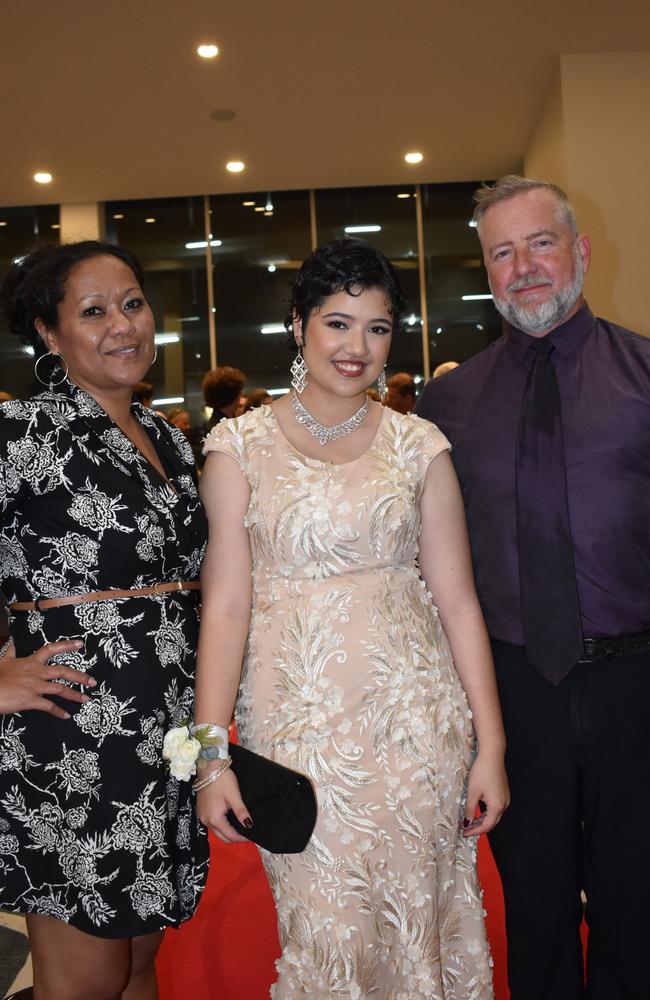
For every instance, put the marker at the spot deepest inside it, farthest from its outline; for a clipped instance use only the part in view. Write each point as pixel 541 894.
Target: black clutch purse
pixel 281 802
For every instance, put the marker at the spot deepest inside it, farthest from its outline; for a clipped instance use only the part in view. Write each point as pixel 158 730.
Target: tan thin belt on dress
pixel 43 603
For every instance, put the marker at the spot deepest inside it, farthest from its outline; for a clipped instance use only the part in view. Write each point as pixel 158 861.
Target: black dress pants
pixel 578 760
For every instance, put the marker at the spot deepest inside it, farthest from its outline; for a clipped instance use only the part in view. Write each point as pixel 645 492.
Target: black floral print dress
pixel 93 830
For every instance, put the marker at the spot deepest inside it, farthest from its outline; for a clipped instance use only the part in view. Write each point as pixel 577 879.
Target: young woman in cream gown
pixel 339 614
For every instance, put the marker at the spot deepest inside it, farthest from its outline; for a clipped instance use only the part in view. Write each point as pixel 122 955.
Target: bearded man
pixel 550 428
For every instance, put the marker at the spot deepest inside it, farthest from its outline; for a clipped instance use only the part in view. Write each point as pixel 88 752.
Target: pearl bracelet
pixel 212 776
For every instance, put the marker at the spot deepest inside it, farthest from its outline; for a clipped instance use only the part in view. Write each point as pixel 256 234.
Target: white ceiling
pixel 111 99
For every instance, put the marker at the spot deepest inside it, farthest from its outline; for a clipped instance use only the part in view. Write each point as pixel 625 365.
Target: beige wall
pixel 81 222
pixel 592 138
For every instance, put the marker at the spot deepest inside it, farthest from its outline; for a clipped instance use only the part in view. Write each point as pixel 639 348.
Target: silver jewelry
pixel 382 388
pixel 321 432
pixel 64 374
pixel 299 372
pixel 155 354
pixel 221 768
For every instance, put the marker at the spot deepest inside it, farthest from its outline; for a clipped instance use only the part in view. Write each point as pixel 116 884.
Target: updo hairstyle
pixel 35 285
pixel 349 265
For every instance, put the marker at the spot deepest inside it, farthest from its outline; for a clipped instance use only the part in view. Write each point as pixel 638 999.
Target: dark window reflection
pixel 346 211
pixel 21 230
pixel 458 327
pixel 168 236
pixel 264 238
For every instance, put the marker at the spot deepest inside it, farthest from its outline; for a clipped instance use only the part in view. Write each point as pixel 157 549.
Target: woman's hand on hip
pixel 214 801
pixel 28 682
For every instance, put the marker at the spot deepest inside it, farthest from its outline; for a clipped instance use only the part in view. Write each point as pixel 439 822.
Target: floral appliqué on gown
pixel 349 678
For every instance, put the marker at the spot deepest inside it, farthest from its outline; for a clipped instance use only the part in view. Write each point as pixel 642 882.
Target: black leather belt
pixel 607 647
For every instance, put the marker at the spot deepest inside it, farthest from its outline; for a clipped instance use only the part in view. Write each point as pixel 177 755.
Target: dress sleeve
pixel 431 442
pixel 27 458
pixel 227 438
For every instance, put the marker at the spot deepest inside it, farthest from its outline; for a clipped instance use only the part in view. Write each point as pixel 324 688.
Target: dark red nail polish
pixel 248 823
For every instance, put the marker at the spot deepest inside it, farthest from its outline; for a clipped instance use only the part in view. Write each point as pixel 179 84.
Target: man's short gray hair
pixel 512 185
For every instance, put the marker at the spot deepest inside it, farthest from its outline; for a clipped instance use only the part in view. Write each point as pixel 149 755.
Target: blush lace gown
pixel 348 677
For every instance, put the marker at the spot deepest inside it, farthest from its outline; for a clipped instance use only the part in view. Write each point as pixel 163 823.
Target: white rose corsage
pixel 186 748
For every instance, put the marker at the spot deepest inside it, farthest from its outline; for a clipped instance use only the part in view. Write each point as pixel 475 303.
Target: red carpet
pixel 227 951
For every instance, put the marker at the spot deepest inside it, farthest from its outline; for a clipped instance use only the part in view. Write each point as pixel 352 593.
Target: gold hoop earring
pixel 51 383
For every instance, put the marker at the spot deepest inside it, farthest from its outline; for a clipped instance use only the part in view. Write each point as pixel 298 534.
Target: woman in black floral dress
pixel 99 847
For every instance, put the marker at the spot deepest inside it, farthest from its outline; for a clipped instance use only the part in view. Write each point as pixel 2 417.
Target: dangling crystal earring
pixel 155 354
pixel 381 383
pixel 64 374
pixel 299 372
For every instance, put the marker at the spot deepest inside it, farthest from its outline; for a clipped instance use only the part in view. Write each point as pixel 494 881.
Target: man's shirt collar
pixel 566 338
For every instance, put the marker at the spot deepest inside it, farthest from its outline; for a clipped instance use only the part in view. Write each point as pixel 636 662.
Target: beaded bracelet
pixel 212 776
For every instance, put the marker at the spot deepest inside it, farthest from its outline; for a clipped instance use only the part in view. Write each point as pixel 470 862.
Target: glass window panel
pixel 340 209
pixel 21 230
pixel 176 288
pixel 458 327
pixel 254 266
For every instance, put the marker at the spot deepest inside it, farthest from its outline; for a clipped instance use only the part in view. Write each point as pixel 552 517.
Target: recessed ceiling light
pixel 235 166
pixel 269 206
pixel 268 214
pixel 404 194
pixel 260 208
pixel 363 229
pixel 414 157
pixel 472 224
pixel 150 219
pixel 207 51
pixel 42 177
pixel 118 215
pixel 55 225
pixel 271 268
pixel 3 223
pixel 248 204
pixel 273 328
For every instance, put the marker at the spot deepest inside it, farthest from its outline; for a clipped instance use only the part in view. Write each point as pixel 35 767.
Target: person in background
pixel 222 388
pixel 549 427
pixel 400 393
pixel 346 525
pixel 442 369
pixel 178 417
pixel 143 393
pixel 257 397
pixel 101 538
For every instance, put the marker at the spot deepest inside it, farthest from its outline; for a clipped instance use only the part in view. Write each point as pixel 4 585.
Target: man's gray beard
pixel 535 318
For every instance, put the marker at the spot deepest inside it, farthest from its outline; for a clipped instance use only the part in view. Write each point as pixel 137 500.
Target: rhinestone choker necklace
pixel 322 433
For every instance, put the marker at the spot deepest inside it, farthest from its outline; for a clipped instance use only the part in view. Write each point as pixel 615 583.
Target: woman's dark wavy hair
pixel 349 265
pixel 35 284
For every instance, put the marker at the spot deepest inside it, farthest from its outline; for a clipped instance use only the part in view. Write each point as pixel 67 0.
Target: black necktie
pixel 549 600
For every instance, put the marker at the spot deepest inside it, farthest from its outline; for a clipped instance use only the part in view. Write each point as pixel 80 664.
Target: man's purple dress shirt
pixel 603 373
